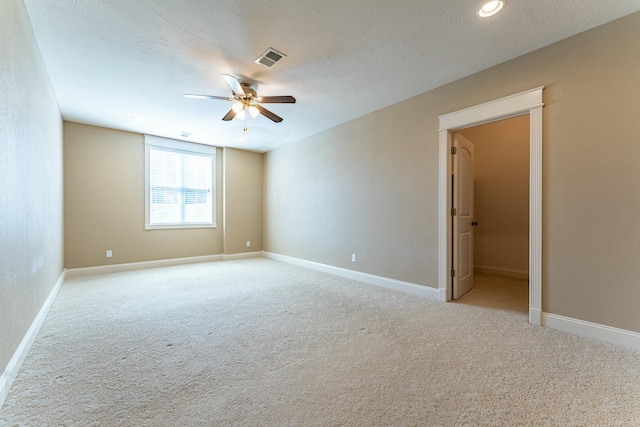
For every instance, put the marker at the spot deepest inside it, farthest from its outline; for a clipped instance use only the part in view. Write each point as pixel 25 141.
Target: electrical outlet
pixel 109 254
pixel 353 257
pixel 248 243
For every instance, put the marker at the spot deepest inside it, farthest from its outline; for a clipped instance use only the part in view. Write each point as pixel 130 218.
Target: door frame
pixel 523 103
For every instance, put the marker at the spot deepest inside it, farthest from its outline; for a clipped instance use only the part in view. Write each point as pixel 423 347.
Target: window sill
pixel 177 226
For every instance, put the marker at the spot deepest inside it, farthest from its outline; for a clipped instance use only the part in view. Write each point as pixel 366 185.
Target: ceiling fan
pixel 246 100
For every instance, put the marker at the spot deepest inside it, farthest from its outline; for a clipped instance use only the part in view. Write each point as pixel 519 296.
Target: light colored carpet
pixel 257 342
pixel 501 293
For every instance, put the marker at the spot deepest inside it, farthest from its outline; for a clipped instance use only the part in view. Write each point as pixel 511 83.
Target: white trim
pixel 178 226
pixel 498 109
pixel 535 214
pixel 115 268
pixel 528 102
pixel 445 229
pixel 11 371
pixel 243 255
pixel 499 271
pixel 608 334
pixel 397 285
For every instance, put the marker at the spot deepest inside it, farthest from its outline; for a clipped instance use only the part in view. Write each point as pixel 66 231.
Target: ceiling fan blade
pixel 229 116
pixel 192 95
pixel 277 99
pixel 268 114
pixel 234 84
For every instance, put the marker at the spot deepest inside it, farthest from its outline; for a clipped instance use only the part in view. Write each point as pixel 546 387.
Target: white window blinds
pixel 179 184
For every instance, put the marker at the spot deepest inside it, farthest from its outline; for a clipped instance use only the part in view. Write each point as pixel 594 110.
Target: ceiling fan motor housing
pixel 249 92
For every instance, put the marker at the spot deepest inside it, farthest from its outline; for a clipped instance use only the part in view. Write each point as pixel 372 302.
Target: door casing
pixel 523 103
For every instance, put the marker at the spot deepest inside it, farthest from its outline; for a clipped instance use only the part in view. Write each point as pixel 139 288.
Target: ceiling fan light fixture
pixel 244 98
pixel 236 107
pixel 491 8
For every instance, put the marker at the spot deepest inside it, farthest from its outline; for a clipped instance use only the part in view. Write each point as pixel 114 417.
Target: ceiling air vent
pixel 270 57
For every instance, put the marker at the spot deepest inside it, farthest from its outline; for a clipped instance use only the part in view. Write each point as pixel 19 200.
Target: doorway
pixel 524 103
pixel 499 221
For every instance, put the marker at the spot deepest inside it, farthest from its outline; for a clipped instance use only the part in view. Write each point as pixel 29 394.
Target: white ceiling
pixel 110 60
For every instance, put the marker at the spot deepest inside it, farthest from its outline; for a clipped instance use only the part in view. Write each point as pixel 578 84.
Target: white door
pixel 462 216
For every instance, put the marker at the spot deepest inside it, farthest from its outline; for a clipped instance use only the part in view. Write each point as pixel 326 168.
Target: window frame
pixel 175 145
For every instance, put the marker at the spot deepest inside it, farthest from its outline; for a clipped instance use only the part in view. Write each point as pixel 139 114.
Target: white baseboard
pixel 243 255
pixel 406 287
pixel 115 268
pixel 499 271
pixel 608 334
pixel 11 371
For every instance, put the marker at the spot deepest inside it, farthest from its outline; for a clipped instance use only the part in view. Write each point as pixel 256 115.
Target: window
pixel 179 184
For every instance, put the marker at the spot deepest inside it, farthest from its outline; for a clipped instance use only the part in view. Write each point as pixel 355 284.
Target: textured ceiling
pixel 110 60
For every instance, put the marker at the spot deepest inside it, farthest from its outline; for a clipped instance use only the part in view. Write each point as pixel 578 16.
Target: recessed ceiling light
pixel 138 118
pixel 491 8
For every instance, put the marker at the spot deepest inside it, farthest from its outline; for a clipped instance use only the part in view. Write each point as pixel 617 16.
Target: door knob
pixel 474 223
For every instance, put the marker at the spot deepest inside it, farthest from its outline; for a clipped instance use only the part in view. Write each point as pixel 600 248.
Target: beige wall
pixel 501 179
pixel 359 188
pixel 31 240
pixel 370 186
pixel 104 203
pixel 242 201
